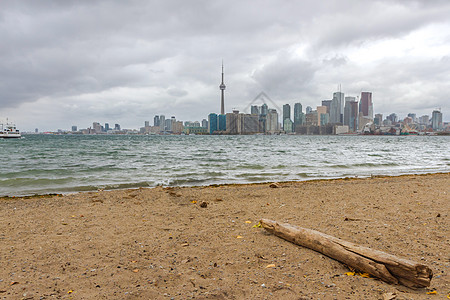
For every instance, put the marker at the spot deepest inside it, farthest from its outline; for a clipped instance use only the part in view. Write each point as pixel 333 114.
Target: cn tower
pixel 222 100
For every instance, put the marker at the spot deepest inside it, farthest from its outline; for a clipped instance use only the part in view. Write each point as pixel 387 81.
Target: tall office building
pixel 378 119
pixel 222 99
pixel 205 123
pixel 107 127
pixel 117 127
pixel 322 118
pixel 212 123
pixel 222 123
pixel 254 110
pixel 74 128
pixel 337 108
pixel 327 103
pixel 286 111
pixel 348 109
pixel 156 121
pixel 366 105
pixel 353 119
pixel 264 109
pixel 309 109
pixel 272 123
pixel 162 123
pixel 299 116
pixel 436 120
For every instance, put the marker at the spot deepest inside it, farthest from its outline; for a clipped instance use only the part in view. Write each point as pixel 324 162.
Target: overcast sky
pixel 65 63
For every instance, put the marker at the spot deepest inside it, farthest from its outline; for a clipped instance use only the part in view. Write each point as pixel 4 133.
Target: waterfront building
pixel 436 120
pixel 212 123
pixel 74 128
pixel 249 124
pixel 353 119
pixel 299 116
pixel 146 124
pixel 222 125
pixel 347 109
pixel 264 109
pixel 309 109
pixel 366 105
pixel 321 111
pixel 177 127
pixel 337 108
pixel 311 119
pixel 107 127
pixel 205 123
pixel 424 120
pixel 162 123
pixel 97 127
pixel 378 119
pixel 324 119
pixel 272 123
pixel 286 111
pixel 156 121
pixel 288 125
pixel 168 125
pixel 232 122
pixel 117 127
pixel 413 116
pixel 327 103
pixel 254 110
pixel 393 118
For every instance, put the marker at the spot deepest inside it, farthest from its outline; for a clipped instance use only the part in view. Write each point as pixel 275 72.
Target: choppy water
pixel 49 164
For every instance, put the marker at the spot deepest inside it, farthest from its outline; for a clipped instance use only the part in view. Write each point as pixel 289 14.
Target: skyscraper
pixel 348 109
pixel 366 105
pixel 337 108
pixel 436 120
pixel 299 117
pixel 162 122
pixel 156 121
pixel 222 99
pixel 286 111
pixel 212 123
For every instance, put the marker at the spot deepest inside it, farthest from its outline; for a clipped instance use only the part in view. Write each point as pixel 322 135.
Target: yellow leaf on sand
pixel 193 201
pixel 70 292
pixel 248 222
pixel 136 270
pixel 257 225
pixel 350 273
pixel 270 266
pixel 365 275
pixel 432 293
pixel 239 237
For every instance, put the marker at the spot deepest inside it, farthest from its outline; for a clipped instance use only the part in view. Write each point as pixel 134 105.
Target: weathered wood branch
pixel 387 267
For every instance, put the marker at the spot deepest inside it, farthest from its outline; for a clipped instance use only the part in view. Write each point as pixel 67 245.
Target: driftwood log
pixel 379 264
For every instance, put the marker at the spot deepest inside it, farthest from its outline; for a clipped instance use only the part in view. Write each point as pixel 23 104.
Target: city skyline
pixel 164 57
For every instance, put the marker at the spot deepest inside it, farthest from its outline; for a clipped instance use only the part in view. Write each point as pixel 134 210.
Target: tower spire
pixel 222 99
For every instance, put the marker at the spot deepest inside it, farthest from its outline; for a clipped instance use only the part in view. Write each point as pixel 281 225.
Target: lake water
pixel 41 164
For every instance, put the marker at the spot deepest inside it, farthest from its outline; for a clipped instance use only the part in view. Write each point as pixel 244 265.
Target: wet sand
pixel 200 243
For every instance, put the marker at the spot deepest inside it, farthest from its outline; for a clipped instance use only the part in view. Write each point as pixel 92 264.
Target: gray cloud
pixel 85 61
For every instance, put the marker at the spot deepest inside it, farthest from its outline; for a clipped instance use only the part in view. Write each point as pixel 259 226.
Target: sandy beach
pixel 202 243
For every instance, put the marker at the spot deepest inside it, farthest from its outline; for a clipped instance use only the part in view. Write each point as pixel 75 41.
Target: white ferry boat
pixel 9 130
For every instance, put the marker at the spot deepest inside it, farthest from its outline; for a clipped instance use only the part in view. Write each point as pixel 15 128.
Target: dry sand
pixel 161 244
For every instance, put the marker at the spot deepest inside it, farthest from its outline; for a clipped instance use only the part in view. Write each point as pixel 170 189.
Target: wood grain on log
pixel 387 267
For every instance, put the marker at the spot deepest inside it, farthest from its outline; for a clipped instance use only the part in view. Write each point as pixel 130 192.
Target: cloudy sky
pixel 65 63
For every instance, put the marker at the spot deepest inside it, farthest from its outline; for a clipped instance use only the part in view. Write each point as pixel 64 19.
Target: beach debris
pixel 193 201
pixel 389 296
pixel 136 270
pixel 248 222
pixel 274 185
pixel 387 267
pixel 257 225
pixel 203 204
pixel 239 237
pixel 14 282
pixel 432 293
pixel 270 266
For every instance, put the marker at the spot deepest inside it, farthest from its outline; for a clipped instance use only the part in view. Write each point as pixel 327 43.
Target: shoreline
pixel 213 185
pixel 201 242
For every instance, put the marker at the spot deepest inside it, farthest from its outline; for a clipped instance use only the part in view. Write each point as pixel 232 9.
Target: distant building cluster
pixel 339 115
